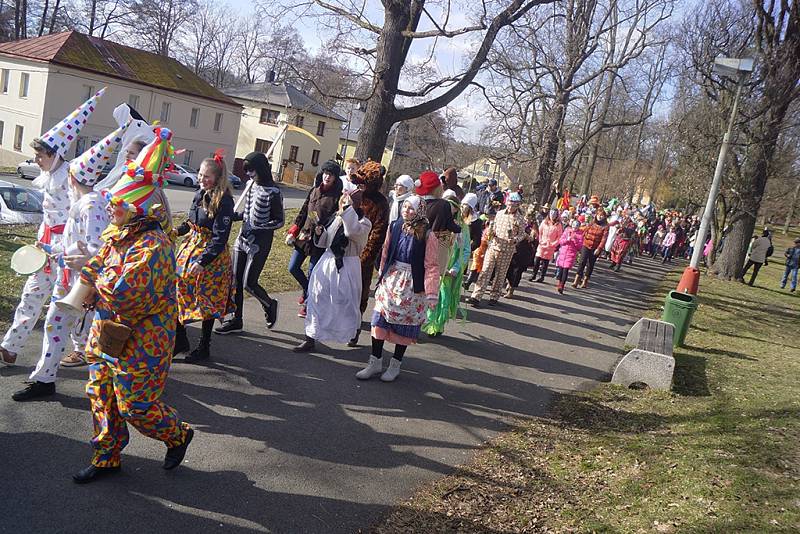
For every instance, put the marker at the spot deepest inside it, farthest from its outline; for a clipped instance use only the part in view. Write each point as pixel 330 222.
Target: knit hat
pixel 136 190
pixel 450 177
pixel 471 200
pixel 332 168
pixel 594 201
pixel 61 136
pixel 406 181
pixel 514 197
pixel 450 195
pixel 88 167
pixel 427 183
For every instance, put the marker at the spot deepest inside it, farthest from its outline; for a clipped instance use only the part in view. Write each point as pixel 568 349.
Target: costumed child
pixel 369 179
pixel 550 231
pixel 81 240
pixel 333 306
pixel 408 284
pixel 479 254
pixel 403 188
pixel 51 152
pixel 448 305
pixel 569 245
pixel 623 242
pixel 131 286
pixel 594 240
pixel 320 205
pixel 668 243
pixel 263 214
pixel 204 264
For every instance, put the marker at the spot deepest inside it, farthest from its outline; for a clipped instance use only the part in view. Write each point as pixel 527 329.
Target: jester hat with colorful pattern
pixel 135 191
pixel 88 167
pixel 61 136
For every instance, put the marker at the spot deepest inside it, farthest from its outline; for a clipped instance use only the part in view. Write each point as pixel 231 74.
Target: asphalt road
pixel 180 197
pixel 294 443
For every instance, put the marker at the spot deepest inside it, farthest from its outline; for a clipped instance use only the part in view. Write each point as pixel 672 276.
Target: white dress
pixel 334 297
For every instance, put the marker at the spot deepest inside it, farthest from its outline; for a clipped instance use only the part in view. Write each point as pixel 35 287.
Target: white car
pixel 20 205
pixel 182 175
pixel 28 169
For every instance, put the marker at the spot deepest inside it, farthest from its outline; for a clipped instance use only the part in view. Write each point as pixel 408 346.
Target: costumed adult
pixel 333 309
pixel 204 264
pixel 440 215
pixel 369 179
pixel 507 229
pixel 523 256
pixel 448 305
pixel 81 240
pixel 320 206
pixel 50 156
pixel 450 181
pixel 263 214
pixel 132 289
pixel 550 231
pixel 594 240
pixel 408 284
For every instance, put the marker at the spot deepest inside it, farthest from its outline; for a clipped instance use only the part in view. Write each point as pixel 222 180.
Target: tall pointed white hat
pixel 61 136
pixel 87 167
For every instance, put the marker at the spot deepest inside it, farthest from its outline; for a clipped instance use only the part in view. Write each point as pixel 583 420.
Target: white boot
pixel 392 371
pixel 373 368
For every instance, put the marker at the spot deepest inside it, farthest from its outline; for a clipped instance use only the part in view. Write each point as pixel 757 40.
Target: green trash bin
pixel 678 310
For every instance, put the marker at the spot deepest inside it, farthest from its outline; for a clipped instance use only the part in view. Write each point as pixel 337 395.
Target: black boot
pixel 271 313
pixel 92 473
pixel 354 340
pixel 181 341
pixel 35 390
pixel 306 346
pixel 175 455
pixel 203 350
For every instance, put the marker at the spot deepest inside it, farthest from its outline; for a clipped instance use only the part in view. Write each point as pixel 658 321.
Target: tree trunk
pixel 55 14
pixel 790 213
pixel 45 7
pixel 549 149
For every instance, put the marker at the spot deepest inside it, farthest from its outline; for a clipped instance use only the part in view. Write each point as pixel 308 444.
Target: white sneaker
pixel 373 368
pixel 392 371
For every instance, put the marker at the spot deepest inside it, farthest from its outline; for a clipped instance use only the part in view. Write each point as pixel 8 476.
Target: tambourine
pixel 28 259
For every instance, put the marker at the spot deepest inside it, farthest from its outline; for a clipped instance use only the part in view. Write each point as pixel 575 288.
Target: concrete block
pixel 651 335
pixel 642 366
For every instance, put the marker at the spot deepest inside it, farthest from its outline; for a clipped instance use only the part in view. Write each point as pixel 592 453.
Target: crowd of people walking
pixel 112 250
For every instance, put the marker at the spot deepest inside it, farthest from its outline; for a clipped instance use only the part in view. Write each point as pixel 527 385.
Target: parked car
pixel 20 205
pixel 235 181
pixel 28 169
pixel 182 175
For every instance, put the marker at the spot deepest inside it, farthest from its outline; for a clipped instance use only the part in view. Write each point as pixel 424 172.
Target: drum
pixel 28 259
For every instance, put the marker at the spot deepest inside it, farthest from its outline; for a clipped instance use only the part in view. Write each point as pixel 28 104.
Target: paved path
pixel 294 443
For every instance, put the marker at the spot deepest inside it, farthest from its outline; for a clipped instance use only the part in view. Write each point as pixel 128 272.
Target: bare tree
pixel 157 24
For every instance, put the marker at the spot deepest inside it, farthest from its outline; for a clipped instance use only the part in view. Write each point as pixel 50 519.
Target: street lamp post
pixel 731 68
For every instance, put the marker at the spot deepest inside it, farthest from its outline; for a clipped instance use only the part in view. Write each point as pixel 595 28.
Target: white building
pixel 43 79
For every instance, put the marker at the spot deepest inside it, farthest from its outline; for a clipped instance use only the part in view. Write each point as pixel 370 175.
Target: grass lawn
pixel 718 453
pixel 275 277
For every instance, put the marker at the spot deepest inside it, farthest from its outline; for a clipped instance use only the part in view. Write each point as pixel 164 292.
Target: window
pixel 218 122
pixel 485 167
pixel 18 133
pixel 187 158
pixel 315 157
pixel 321 128
pixel 298 121
pixel 293 150
pixel 195 119
pixel 165 109
pixel 88 92
pixel 24 81
pixel 2 130
pixel 4 79
pixel 262 145
pixel 268 116
pixel 133 101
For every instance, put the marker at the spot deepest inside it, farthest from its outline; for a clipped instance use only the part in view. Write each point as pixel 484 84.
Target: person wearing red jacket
pixel 594 242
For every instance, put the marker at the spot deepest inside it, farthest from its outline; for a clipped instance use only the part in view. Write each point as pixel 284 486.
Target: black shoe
pixel 181 342
pixel 532 278
pixel 354 340
pixel 493 302
pixel 306 346
pixel 174 456
pixel 92 473
pixel 473 301
pixel 201 353
pixel 36 390
pixel 230 327
pixel 272 314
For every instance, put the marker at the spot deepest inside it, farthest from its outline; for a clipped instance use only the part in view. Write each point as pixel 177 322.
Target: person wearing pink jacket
pixel 549 233
pixel 570 244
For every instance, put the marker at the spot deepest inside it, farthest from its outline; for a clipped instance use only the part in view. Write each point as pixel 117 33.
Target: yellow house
pixel 297 157
pixel 484 169
pixel 43 79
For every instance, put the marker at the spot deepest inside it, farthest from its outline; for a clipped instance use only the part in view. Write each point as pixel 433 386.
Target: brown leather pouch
pixel 113 337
